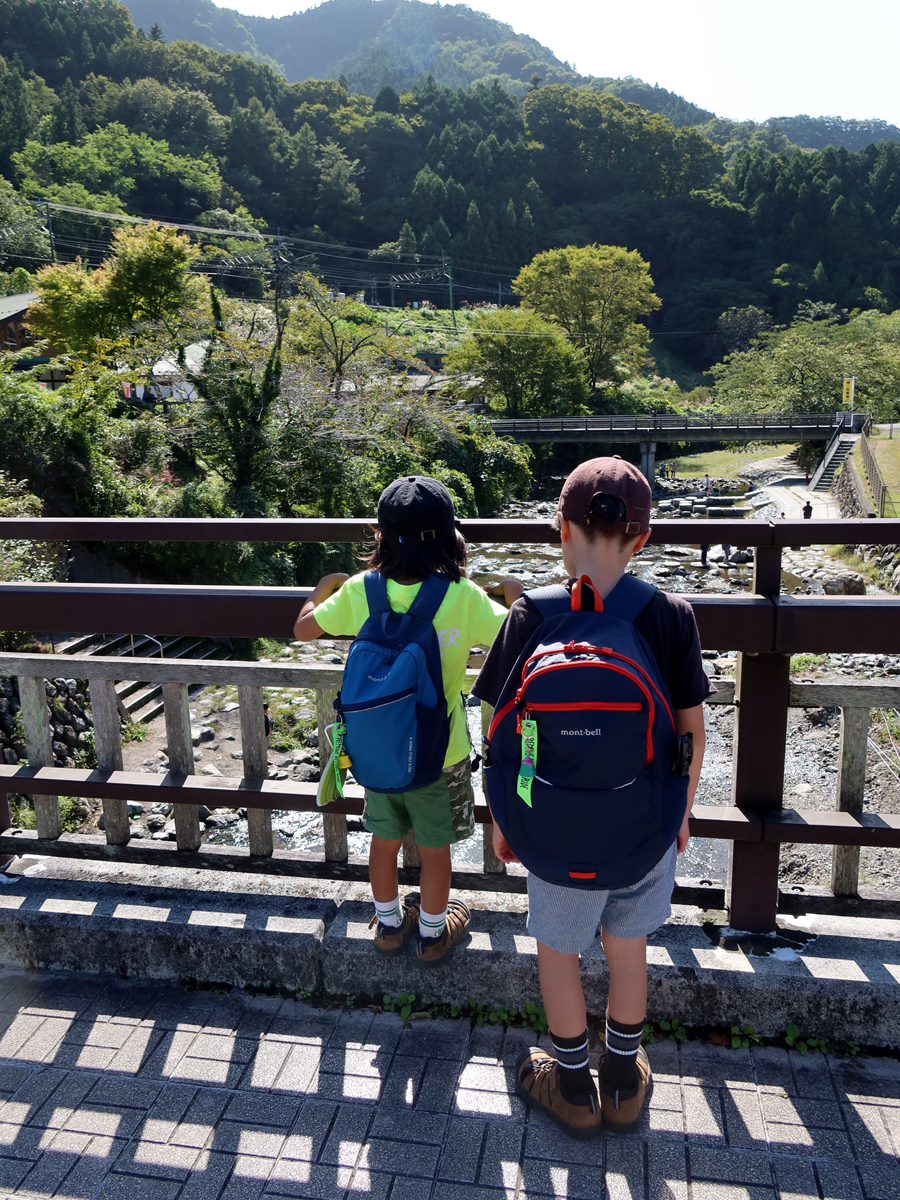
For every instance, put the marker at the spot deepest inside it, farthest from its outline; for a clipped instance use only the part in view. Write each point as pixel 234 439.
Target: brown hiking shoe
pixel 624 1116
pixel 537 1082
pixel 431 951
pixel 390 939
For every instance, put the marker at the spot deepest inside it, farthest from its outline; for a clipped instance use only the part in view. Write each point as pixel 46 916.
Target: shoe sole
pixel 573 1131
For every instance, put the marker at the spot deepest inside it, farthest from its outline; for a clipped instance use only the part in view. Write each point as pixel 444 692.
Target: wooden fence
pixel 877 486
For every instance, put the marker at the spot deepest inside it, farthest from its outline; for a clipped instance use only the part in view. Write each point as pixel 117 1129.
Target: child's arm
pixel 306 628
pixel 509 589
pixel 690 720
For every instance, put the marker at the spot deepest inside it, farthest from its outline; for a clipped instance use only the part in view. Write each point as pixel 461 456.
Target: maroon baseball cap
pixel 593 489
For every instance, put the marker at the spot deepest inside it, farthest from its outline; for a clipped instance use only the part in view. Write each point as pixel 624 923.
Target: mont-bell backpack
pixel 588 775
pixel 392 717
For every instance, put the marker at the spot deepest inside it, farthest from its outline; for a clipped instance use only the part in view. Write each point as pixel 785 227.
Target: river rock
pixel 848 583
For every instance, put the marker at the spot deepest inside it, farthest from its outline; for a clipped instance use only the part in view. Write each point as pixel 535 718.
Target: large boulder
pixel 846 583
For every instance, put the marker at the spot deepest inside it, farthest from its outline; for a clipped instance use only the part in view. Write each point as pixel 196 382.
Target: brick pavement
pixel 127 1091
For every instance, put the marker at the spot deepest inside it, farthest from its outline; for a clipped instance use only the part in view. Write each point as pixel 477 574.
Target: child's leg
pixel 626 1010
pixel 563 996
pixel 435 879
pixel 383 867
pixel 561 990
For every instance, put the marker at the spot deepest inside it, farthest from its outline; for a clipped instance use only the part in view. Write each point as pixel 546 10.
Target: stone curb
pixel 841 981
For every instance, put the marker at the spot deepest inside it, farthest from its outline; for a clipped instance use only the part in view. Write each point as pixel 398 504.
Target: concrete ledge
pixel 156 933
pixel 833 975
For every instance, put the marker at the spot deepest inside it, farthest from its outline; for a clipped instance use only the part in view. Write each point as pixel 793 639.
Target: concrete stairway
pixel 843 448
pixel 142 700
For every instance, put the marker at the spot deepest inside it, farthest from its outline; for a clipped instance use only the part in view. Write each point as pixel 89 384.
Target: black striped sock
pixel 575 1081
pixel 619 1072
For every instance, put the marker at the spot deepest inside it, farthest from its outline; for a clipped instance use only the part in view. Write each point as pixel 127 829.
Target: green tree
pixel 595 294
pixel 524 361
pixel 146 278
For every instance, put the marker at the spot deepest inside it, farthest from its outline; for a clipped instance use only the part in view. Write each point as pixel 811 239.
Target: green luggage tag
pixel 337 736
pixel 528 766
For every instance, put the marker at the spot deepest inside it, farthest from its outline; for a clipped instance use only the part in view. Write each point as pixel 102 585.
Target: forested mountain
pixel 98 115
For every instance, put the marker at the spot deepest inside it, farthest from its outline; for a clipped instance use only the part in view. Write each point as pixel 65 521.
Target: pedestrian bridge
pixel 649 429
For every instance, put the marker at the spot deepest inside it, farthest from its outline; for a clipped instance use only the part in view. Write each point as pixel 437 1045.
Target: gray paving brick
pixel 799 1110
pixel 436 1039
pixel 571 1182
pixel 795 1179
pixel 624 1169
pixel 772 1066
pixel 13 1171
pixel 727 1191
pixel 130 1187
pixel 349 1129
pixel 870 1127
pixel 21 1141
pixel 437 1091
pixel 462 1150
pixel 730 1166
pixel 411 1189
pixel 300 1072
pixel 48 1173
pixel 813 1077
pixel 839 1180
pixel 703 1120
pixel 486 1043
pixel 881 1181
pixel 309 1180
pixel 156 1161
pixel 349 1087
pixel 744 1125
pixel 664 1058
pixel 93 1167
pixel 401 1085
pixel 798 1139
pixel 254 1109
pixel 456 1191
pixel 232 1136
pixel 266 1065
pixel 208 1178
pixel 428 1129
pixel 125 1093
pixel 400 1157
pixel 502 1152
pixel 546 1141
pixel 12 1078
pixel 717 1066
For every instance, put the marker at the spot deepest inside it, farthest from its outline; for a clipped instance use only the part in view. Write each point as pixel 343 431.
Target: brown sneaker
pixel 431 951
pixel 624 1116
pixel 390 939
pixel 537 1083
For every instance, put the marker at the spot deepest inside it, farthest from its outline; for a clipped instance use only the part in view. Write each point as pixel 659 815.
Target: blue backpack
pixel 588 775
pixel 392 714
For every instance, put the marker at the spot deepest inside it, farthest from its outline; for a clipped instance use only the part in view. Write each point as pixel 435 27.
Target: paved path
pixel 151 1092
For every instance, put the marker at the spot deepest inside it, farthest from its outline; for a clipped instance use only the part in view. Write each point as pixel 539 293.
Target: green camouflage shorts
pixel 440 814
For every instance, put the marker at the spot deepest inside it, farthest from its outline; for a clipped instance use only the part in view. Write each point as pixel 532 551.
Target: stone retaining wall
pixel 71 724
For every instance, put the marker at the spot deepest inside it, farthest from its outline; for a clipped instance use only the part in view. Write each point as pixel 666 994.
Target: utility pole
pixel 448 271
pixel 50 231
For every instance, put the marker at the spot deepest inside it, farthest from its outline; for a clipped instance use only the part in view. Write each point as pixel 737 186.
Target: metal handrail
pixel 830 451
pixel 874 476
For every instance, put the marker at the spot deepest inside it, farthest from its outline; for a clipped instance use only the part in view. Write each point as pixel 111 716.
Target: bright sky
pixel 769 58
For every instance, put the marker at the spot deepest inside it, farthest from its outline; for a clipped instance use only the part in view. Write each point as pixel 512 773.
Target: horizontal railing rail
pixel 846 829
pixel 667 532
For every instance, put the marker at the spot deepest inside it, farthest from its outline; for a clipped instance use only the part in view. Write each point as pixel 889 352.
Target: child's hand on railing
pixel 509 589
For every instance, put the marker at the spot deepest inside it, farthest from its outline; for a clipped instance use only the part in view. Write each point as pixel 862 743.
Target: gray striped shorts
pixel 567 919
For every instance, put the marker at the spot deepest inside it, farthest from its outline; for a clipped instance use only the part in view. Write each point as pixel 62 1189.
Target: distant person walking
pixel 807 510
pixel 704 550
pixel 707 484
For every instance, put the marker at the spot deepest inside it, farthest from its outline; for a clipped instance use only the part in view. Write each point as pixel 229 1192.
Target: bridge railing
pixel 765 628
pixel 722 422
pixel 877 486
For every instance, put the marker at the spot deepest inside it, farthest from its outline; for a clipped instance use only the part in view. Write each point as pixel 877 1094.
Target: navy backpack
pixel 588 775
pixel 392 717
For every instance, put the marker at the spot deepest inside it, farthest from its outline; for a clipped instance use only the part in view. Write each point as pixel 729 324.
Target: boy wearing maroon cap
pixel 603 518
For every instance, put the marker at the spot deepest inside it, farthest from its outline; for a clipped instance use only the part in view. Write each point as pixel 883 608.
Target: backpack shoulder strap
pixel 429 597
pixel 628 598
pixel 550 601
pixel 376 593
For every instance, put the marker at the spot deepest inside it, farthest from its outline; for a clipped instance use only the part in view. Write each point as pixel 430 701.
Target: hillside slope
pixel 396 42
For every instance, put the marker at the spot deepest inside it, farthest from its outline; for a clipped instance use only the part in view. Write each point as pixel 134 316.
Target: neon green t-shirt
pixel 467 617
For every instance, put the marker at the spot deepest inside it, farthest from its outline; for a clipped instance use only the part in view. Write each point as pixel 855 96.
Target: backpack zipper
pixel 365 707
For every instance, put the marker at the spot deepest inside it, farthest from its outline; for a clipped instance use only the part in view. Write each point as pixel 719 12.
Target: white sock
pixel 431 924
pixel 390 913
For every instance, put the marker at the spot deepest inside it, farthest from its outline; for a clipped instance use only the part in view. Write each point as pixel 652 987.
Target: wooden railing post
pixel 492 864
pixel 5 815
pixel 256 767
pixel 850 789
pixel 39 748
pixel 760 728
pixel 411 855
pixel 108 742
pixel 334 824
pixel 181 760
